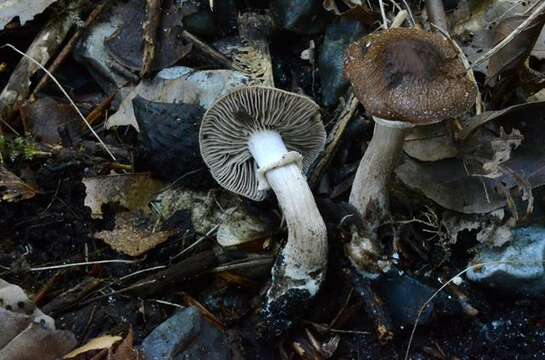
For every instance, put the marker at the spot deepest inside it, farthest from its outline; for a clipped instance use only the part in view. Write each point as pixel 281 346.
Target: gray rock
pixel 331 64
pixel 300 16
pixel 186 335
pixel 519 267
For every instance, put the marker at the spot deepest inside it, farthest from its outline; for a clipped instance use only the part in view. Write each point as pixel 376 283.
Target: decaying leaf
pixel 179 84
pixel 474 20
pixel 512 56
pixel 485 154
pixel 239 227
pixel 539 49
pixel 353 9
pixel 212 209
pixel 27 333
pixel 131 191
pixel 125 46
pixel 447 183
pixel 492 228
pixel 134 234
pixel 12 188
pixel 431 143
pixel 24 9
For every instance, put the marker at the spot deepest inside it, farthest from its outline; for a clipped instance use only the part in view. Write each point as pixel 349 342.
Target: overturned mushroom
pixel 403 78
pixel 259 137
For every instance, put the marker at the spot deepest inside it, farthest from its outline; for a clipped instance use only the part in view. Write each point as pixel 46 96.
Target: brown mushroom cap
pixel 409 75
pixel 229 123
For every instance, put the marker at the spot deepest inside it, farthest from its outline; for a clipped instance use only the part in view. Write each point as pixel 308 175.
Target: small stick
pixel 68 48
pixel 436 14
pixel 334 137
pixel 150 27
pixel 93 116
pixel 215 55
pixel 45 44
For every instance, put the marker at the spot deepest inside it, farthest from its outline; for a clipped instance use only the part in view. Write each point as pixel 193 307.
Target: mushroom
pixel 256 138
pixel 403 78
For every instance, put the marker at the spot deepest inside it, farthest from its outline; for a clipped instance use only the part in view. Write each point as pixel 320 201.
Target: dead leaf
pixel 24 9
pixel 447 183
pixel 539 49
pixel 99 343
pixel 44 118
pixel 485 154
pixel 12 188
pixel 131 191
pixel 512 56
pixel 431 143
pixel 179 85
pixel 126 45
pixel 491 229
pixel 134 233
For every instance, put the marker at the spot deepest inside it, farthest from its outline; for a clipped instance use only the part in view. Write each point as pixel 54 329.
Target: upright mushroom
pixel 257 138
pixel 403 78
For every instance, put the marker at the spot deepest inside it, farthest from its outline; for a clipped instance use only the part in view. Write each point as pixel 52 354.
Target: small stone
pixel 516 267
pixel 186 335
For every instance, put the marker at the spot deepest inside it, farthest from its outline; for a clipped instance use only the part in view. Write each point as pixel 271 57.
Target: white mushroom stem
pixel 369 193
pixel 304 258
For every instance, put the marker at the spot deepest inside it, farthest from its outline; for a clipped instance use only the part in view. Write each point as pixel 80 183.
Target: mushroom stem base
pixel 300 268
pixel 369 193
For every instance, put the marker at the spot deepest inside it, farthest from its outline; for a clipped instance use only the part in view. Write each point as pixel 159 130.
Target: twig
pixel 383 14
pixel 399 19
pixel 538 11
pixel 65 52
pixel 215 55
pixel 53 267
pixel 150 26
pixel 67 96
pixel 159 267
pixel 197 242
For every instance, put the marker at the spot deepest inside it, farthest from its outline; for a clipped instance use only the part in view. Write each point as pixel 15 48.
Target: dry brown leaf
pixel 134 234
pixel 12 188
pixel 131 191
pixel 99 343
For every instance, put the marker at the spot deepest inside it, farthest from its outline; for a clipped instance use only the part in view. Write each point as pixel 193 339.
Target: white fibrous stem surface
pixel 369 193
pixel 303 260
